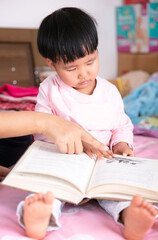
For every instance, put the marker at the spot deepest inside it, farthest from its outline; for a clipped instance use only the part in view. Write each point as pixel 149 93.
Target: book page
pixel 44 183
pixel 138 172
pixel 45 159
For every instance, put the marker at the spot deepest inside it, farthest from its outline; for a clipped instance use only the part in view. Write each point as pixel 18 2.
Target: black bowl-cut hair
pixel 68 34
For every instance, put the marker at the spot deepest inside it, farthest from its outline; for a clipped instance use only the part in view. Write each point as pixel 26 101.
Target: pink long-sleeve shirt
pixel 101 114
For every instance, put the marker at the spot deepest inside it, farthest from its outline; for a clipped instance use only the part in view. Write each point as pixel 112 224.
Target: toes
pixel 137 201
pixel 151 209
pixel 34 198
pixel 48 197
pixel 38 196
pixel 144 204
pixel 29 200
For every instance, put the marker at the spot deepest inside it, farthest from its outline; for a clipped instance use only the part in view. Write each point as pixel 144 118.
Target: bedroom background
pixel 127 67
pixel 22 66
pixel 28 15
pixel 122 60
pixel 21 70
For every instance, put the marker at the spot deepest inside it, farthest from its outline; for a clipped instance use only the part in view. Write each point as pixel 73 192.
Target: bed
pixel 85 222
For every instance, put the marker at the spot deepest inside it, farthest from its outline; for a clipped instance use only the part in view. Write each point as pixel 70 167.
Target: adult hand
pixel 71 138
pixel 3 172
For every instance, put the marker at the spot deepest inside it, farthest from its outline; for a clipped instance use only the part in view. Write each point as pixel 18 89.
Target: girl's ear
pixel 49 63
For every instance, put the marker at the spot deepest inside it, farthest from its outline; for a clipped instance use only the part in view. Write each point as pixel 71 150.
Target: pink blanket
pixel 16 91
pixel 86 222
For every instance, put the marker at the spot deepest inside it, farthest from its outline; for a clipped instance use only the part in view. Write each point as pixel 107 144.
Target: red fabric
pixel 24 106
pixel 15 91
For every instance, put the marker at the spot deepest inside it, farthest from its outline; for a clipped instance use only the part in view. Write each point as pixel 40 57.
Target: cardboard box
pixel 137 28
pixel 130 61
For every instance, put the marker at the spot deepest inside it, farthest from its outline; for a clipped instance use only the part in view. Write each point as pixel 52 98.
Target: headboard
pixel 147 62
pixel 19 56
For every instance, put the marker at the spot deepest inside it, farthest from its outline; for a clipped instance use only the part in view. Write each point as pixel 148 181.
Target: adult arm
pixel 68 136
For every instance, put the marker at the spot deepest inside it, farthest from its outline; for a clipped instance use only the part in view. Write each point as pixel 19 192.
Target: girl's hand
pixel 101 151
pixel 123 148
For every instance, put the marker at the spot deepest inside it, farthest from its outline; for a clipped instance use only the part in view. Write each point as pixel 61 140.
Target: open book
pixel 74 178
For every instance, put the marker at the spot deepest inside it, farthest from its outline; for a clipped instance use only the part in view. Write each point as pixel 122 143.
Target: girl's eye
pixel 71 69
pixel 90 63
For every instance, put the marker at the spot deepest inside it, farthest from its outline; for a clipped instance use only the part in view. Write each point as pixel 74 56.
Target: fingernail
pixel 106 148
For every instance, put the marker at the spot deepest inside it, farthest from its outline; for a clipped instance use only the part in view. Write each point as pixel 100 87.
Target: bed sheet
pixel 85 222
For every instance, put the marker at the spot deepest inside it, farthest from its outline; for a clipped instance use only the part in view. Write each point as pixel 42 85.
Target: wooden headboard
pixel 19 56
pixel 147 62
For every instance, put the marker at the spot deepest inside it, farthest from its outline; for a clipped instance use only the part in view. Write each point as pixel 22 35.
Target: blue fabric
pixel 143 101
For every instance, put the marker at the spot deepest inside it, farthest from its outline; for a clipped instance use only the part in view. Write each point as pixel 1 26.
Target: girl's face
pixel 80 74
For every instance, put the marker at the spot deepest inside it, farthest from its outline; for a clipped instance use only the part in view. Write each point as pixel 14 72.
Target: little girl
pixel 68 40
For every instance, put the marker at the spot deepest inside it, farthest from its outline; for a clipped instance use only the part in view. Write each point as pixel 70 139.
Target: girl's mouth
pixel 84 83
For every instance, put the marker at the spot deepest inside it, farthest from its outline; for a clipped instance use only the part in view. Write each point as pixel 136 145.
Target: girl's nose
pixel 82 74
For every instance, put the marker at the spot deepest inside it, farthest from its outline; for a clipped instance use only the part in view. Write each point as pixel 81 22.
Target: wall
pixel 29 14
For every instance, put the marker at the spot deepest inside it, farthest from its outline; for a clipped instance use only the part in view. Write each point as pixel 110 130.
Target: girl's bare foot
pixel 138 218
pixel 37 212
